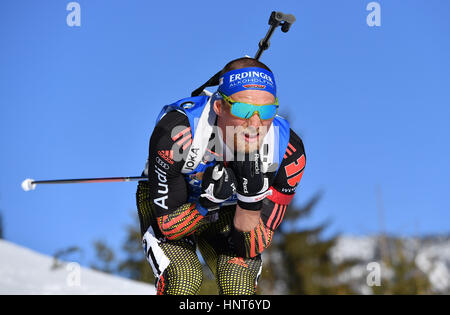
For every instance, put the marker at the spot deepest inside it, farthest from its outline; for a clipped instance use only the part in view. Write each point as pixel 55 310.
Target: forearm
pixel 253 231
pixel 246 220
pixel 182 222
pixel 250 242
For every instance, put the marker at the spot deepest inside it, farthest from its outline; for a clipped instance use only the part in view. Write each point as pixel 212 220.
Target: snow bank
pixel 23 271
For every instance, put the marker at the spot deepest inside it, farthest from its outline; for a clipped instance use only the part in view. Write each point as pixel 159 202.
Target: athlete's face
pixel 243 135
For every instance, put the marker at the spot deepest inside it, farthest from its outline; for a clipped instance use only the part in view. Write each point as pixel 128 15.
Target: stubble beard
pixel 241 145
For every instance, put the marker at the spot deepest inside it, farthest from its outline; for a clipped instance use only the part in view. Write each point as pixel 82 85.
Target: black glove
pixel 218 184
pixel 252 184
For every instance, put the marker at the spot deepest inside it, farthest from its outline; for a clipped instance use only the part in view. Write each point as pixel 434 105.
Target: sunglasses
pixel 246 110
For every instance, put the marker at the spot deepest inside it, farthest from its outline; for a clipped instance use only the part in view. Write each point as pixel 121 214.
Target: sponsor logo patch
pixel 187 105
pixel 254 86
pixel 191 159
pixel 294 171
pixel 163 188
pixel 167 155
pixel 162 163
pixel 238 261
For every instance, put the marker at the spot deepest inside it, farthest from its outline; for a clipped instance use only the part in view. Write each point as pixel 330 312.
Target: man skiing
pixel 222 170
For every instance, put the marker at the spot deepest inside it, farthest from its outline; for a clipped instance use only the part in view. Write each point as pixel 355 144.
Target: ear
pixel 217 106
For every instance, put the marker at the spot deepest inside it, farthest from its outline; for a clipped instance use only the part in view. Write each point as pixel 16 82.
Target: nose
pixel 255 120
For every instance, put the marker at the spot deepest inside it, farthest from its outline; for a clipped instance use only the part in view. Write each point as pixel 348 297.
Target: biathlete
pixel 222 170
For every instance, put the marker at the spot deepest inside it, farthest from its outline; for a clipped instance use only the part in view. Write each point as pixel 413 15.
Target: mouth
pixel 251 137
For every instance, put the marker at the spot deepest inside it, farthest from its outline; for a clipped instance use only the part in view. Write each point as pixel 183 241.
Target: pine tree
pixel 135 266
pixel 105 257
pixel 64 254
pixel 299 262
pixel 405 277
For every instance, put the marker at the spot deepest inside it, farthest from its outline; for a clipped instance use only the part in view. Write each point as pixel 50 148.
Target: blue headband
pixel 252 78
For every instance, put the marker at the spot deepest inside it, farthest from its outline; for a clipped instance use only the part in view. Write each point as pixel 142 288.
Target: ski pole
pixel 30 184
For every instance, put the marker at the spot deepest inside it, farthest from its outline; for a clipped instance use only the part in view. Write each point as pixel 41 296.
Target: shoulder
pixel 171 120
pixel 291 169
pixel 295 148
pixel 170 125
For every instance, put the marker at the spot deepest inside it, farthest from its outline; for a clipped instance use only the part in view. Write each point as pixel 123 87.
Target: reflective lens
pixel 246 110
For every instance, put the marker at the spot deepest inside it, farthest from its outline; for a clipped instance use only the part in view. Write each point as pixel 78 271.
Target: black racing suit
pixel 233 256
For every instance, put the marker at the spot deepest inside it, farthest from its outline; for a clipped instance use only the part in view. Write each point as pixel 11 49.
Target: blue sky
pixel 370 103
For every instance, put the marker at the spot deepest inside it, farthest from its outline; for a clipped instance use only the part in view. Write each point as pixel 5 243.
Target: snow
pixel 434 259
pixel 350 247
pixel 23 271
pixel 431 256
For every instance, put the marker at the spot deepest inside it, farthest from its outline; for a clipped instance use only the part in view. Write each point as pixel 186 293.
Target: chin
pixel 242 146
